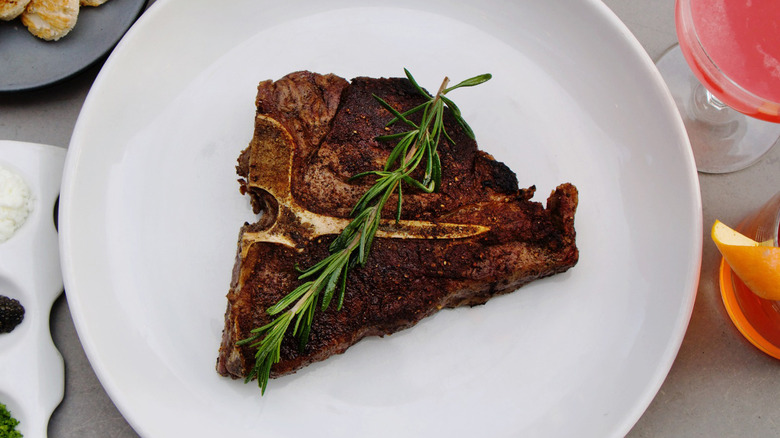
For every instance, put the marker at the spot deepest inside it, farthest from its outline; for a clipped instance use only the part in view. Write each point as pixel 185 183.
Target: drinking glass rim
pixel 702 57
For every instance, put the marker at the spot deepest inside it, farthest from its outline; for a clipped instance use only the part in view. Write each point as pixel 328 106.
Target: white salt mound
pixel 15 203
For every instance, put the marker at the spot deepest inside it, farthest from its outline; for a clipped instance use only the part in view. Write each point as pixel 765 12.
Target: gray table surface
pixel 719 385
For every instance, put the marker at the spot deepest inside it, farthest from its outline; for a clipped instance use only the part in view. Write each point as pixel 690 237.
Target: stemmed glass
pixel 732 112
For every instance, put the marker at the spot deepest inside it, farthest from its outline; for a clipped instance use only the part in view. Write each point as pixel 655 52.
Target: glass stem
pixel 708 108
pixel 714 101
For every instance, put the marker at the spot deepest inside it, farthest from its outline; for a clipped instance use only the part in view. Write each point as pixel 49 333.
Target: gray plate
pixel 27 62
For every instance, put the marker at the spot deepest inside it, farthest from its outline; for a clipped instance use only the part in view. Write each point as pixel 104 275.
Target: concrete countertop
pixel 719 385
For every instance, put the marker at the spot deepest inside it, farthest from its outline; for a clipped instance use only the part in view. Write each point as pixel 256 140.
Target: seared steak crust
pixel 333 125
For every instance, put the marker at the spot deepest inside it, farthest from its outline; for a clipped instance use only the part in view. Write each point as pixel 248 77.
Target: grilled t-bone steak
pixel 478 237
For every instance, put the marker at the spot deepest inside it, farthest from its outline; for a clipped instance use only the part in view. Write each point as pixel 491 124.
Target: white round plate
pixel 151 211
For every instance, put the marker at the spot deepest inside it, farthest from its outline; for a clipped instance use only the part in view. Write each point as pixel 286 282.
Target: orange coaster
pixel 756 318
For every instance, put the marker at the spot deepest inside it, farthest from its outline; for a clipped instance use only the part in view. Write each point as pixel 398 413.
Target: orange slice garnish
pixel 758 266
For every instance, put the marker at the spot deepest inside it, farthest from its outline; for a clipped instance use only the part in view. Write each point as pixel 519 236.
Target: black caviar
pixel 11 314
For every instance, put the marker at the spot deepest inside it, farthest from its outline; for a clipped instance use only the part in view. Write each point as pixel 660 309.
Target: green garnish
pixel 8 424
pixel 328 278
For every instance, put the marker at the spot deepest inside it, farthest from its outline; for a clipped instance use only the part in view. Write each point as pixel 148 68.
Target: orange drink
pixel 758 319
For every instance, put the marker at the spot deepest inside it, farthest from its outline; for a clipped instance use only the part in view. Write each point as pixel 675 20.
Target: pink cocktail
pixel 733 49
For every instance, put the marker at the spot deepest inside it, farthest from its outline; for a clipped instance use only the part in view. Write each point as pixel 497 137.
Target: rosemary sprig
pixel 328 278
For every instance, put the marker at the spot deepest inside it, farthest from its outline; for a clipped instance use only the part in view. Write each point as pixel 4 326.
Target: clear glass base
pixel 723 140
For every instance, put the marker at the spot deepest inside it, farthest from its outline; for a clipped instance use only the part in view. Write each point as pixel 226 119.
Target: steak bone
pixel 288 223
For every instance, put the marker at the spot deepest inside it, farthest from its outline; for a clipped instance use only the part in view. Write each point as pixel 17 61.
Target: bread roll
pixel 51 19
pixel 10 9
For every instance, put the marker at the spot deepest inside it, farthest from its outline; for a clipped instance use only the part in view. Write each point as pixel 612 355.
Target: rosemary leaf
pixel 416 85
pixel 400 205
pixel 343 282
pixel 290 298
pixel 451 105
pixel 395 112
pixel 471 82
pixel 330 287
